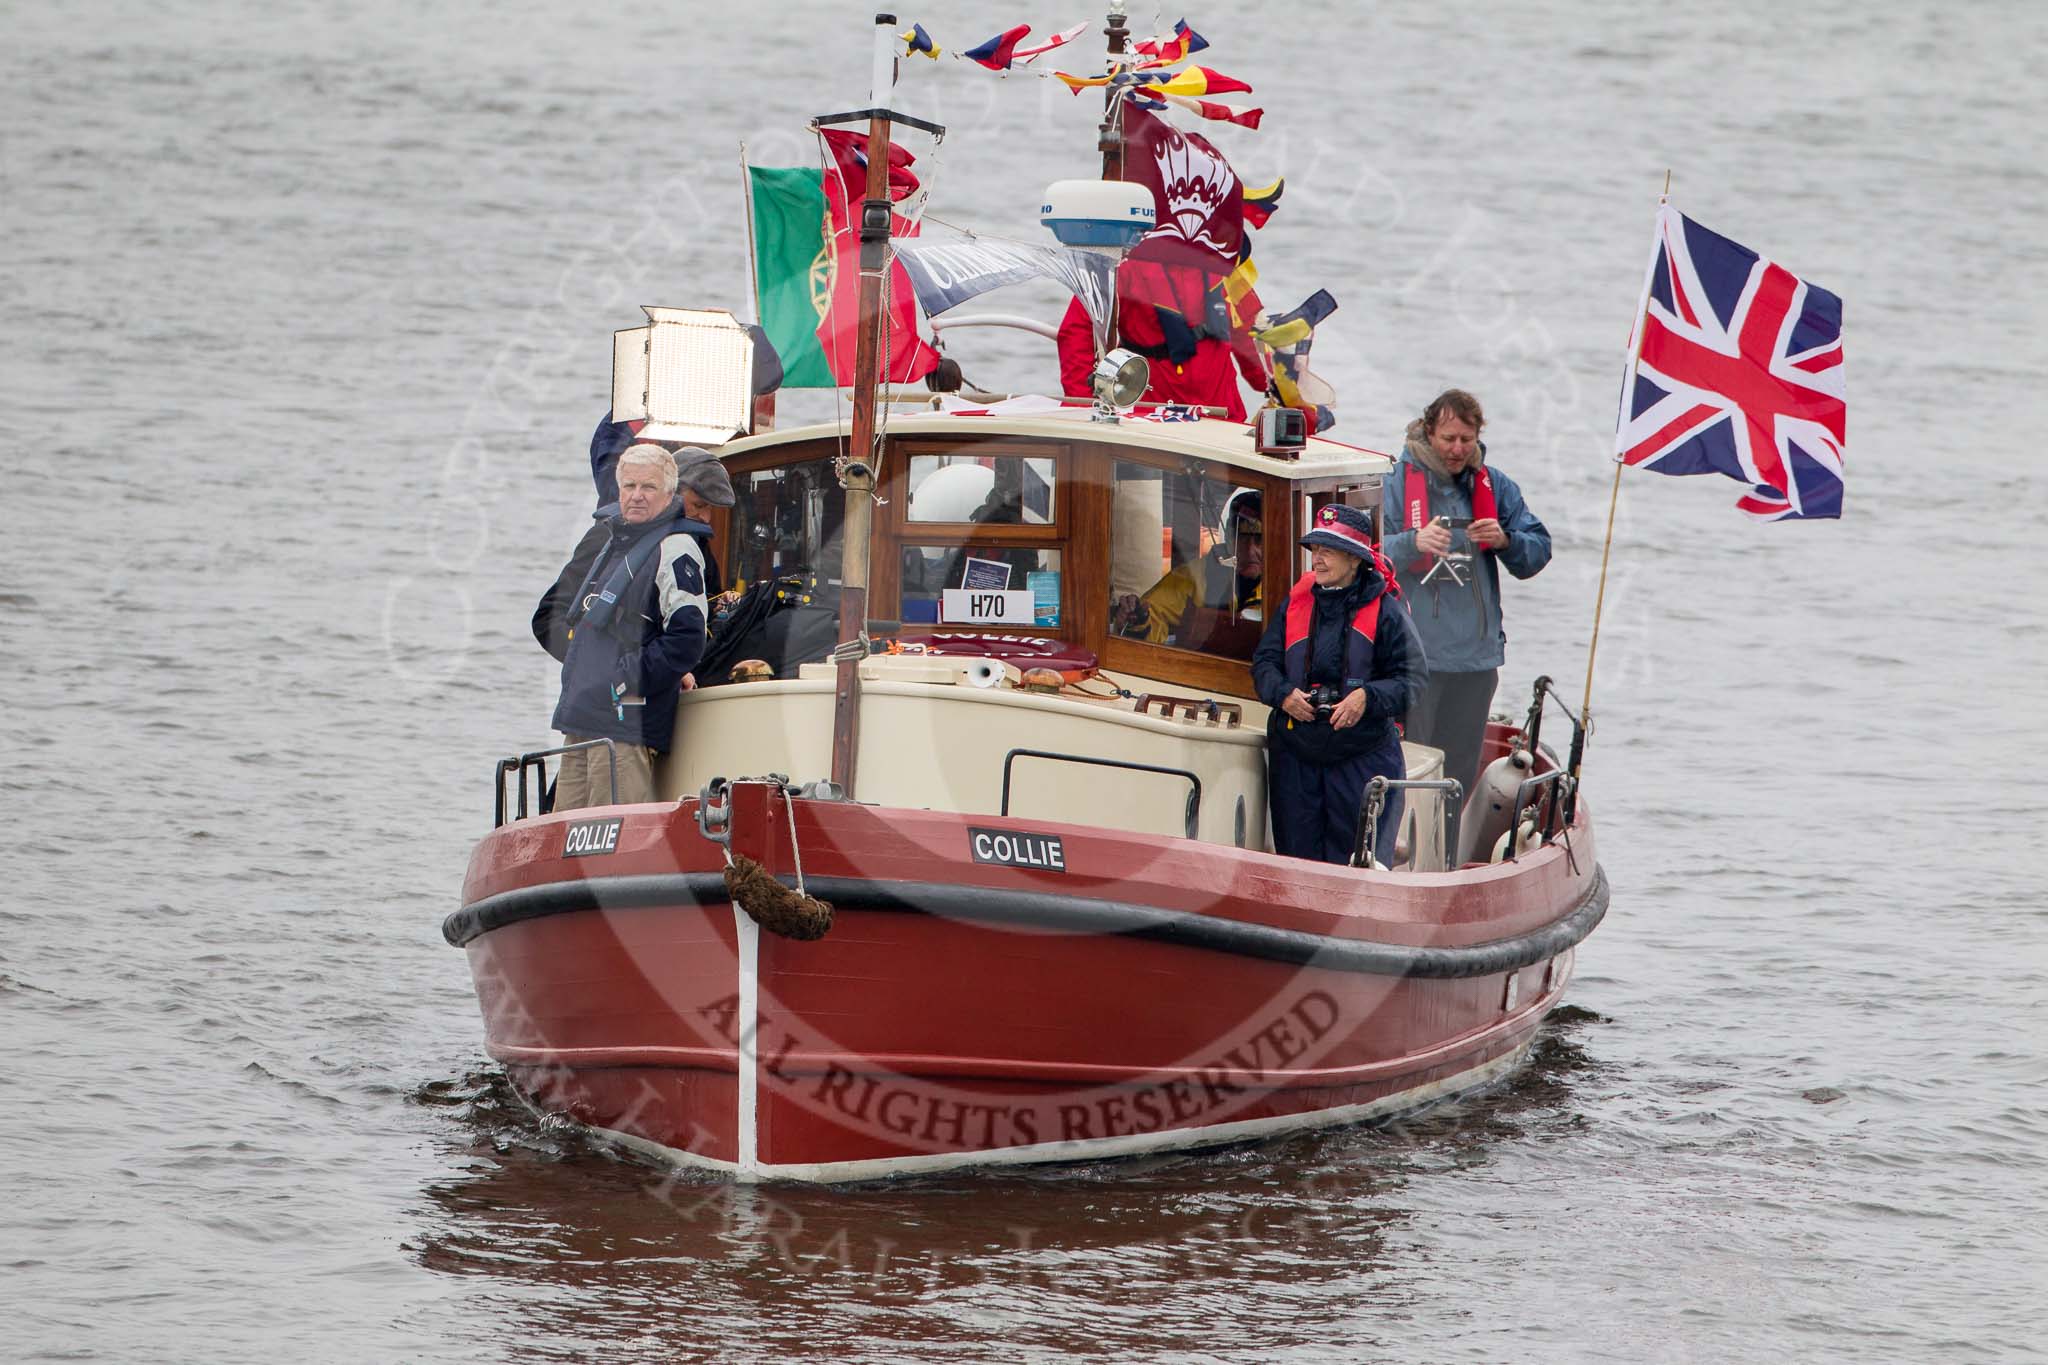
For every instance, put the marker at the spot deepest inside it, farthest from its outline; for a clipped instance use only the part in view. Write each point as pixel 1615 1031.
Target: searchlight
pixel 1119 380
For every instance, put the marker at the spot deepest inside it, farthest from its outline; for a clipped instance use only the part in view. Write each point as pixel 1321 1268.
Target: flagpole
pixel 753 265
pixel 1635 357
pixel 1600 598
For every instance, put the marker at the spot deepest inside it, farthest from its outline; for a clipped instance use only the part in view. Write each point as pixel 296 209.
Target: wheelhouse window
pixel 1003 490
pixel 1187 560
pixel 978 535
pixel 785 523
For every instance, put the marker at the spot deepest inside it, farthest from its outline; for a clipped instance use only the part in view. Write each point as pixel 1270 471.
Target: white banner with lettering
pixel 949 272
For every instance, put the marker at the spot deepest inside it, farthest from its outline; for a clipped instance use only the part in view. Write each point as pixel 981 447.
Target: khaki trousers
pixel 585 778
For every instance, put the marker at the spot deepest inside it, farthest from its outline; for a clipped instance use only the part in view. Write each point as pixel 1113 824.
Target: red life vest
pixel 1415 502
pixel 1301 614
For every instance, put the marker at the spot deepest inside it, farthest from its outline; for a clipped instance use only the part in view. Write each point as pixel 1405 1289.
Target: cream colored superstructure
pixel 931 739
pixel 934 744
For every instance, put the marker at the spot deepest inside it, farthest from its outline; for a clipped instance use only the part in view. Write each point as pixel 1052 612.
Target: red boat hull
pixel 1121 993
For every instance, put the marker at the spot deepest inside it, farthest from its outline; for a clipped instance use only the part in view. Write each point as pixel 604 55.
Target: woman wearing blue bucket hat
pixel 1339 666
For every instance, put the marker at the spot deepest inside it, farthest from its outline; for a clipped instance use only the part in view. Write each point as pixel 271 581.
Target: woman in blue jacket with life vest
pixel 1339 666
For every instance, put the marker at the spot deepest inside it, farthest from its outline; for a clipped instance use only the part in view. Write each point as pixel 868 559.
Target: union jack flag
pixel 1738 371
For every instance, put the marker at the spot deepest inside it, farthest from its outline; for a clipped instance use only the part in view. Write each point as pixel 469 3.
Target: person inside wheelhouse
pixel 1194 605
pixel 1187 560
pixel 783 544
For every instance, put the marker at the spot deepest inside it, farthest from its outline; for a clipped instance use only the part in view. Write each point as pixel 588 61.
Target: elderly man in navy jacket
pixel 635 627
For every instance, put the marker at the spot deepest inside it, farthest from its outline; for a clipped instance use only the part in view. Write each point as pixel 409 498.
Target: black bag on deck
pixel 786 622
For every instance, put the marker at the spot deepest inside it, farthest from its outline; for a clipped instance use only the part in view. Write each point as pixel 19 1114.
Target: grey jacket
pixel 1461 628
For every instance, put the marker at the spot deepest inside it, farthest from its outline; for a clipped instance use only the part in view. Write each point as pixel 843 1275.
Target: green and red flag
pixel 807 267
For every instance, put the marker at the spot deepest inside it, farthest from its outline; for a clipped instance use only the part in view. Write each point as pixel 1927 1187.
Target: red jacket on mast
pixel 1206 370
pixel 1168 308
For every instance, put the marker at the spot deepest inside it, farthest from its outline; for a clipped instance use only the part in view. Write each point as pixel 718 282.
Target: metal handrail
pixel 1365 839
pixel 1017 320
pixel 536 759
pixel 1559 781
pixel 1531 728
pixel 1191 817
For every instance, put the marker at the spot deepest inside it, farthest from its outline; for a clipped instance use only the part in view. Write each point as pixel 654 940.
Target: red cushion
pixel 1023 651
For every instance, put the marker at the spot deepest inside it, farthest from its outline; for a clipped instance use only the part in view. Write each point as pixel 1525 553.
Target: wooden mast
pixel 858 467
pixel 1109 139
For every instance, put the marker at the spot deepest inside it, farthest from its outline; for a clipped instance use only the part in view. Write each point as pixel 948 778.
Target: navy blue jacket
pixel 655 636
pixel 551 617
pixel 607 443
pixel 1398 670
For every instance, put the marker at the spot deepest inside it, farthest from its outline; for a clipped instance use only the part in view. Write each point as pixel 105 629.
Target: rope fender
pixel 792 913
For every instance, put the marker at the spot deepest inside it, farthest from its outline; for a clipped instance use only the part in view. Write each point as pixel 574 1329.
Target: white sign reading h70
pixel 985 607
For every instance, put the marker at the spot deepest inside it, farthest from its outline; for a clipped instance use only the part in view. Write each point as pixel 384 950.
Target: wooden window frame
pixel 778 457
pixel 1187 667
pixel 894 529
pixel 1313 493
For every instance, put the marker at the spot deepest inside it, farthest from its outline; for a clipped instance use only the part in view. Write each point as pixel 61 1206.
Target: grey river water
pixel 303 318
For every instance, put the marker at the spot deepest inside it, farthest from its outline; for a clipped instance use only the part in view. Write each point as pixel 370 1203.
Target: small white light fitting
pixel 1280 431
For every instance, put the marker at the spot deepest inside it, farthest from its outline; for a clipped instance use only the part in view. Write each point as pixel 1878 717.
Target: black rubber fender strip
pixel 1047 911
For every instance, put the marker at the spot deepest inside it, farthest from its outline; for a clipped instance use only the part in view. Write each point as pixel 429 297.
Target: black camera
pixel 1324 697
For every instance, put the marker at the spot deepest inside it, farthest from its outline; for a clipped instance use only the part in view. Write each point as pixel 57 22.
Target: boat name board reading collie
pixel 591 836
pixel 1013 848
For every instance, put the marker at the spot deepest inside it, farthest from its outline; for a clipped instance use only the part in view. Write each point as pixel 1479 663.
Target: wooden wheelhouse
pixel 789 519
pixel 1086 514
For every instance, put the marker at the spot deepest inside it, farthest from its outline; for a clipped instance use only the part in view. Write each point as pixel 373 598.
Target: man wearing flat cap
pixel 702 484
pixel 1339 664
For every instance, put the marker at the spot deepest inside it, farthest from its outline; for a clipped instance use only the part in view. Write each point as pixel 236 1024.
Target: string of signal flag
pixel 1141 75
